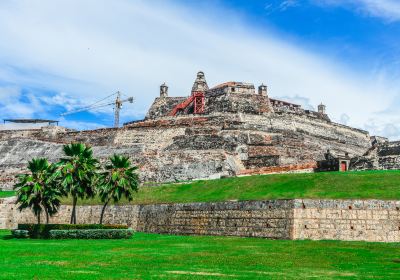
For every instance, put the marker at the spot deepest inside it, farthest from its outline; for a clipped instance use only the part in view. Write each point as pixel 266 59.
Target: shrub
pixel 43 231
pixel 17 233
pixel 91 234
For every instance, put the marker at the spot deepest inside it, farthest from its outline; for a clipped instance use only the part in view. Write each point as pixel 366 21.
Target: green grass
pixel 6 194
pixel 336 185
pixel 195 257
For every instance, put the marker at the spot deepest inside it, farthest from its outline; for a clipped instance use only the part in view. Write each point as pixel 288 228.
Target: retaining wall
pixel 362 220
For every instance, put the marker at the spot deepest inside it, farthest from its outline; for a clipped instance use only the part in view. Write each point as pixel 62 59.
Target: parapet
pixel 232 87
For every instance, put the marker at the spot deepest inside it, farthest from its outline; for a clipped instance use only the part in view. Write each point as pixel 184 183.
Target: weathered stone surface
pixel 382 156
pixel 362 220
pixel 240 132
pixel 185 148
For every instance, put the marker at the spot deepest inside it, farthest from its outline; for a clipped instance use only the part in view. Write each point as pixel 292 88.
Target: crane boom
pixel 117 107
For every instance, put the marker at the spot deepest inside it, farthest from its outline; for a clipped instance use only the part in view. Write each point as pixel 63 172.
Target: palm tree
pixel 77 172
pixel 36 190
pixel 118 180
pixel 52 193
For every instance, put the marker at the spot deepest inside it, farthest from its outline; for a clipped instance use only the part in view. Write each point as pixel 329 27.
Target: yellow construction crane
pixel 117 106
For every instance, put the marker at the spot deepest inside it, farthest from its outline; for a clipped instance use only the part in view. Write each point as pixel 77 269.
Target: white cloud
pixel 385 9
pixel 300 100
pixel 62 99
pixel 81 125
pixel 89 49
pixel 344 119
pixel 280 6
pixel 11 103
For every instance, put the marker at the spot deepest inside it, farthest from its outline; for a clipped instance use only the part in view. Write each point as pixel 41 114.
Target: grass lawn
pixel 350 185
pixel 195 257
pixel 6 193
pixel 367 184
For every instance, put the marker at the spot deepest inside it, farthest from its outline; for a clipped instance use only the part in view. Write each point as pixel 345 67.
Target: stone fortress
pixel 228 130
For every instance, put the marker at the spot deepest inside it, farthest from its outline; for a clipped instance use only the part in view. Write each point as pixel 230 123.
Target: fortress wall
pixel 295 139
pixel 324 134
pixel 10 216
pixel 270 219
pixel 186 148
pixel 389 155
pixel 351 220
pixel 383 156
pixel 355 220
pixel 162 106
pixel 236 102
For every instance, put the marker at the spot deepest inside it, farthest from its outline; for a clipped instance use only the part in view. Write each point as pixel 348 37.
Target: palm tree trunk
pixel 38 219
pixel 73 214
pixel 103 210
pixel 76 201
pixel 47 215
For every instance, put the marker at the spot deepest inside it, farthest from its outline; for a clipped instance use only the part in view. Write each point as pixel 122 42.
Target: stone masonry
pixel 352 220
pixel 240 131
pixel 383 155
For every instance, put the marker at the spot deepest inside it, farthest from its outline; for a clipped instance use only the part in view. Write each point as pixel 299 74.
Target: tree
pixel 37 191
pixel 77 172
pixel 52 193
pixel 118 180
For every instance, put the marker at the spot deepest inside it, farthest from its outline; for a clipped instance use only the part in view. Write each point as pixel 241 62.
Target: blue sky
pixel 61 56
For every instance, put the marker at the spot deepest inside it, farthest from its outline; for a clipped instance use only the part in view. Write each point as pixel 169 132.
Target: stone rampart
pixel 355 220
pixel 361 220
pixel 270 219
pixel 382 156
pixel 196 147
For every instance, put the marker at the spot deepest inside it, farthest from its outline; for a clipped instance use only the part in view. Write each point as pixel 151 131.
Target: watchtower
pixel 163 90
pixel 263 90
pixel 322 109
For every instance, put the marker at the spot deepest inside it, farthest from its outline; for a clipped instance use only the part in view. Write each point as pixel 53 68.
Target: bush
pixel 43 230
pixel 17 233
pixel 91 234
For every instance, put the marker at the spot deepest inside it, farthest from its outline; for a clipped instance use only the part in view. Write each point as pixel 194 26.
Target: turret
pixel 163 90
pixel 322 109
pixel 263 90
pixel 200 84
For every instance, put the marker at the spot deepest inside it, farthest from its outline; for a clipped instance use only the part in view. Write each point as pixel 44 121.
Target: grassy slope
pixel 194 257
pixel 369 184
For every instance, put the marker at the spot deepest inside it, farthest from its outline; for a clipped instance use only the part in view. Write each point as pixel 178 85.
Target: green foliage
pixel 6 194
pixel 119 180
pixel 77 173
pixel 91 234
pixel 36 190
pixel 18 233
pixel 43 231
pixel 156 256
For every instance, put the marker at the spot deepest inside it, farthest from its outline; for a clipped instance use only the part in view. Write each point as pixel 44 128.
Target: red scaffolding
pixel 198 102
pixel 197 99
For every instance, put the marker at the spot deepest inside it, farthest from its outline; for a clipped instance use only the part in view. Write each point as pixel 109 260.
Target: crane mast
pixel 117 107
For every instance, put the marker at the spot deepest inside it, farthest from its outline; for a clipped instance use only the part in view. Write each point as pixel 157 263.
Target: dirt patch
pixel 56 263
pixel 202 273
